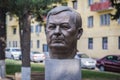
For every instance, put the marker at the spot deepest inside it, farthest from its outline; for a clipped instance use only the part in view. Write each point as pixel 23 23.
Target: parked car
pixel 12 52
pixel 37 56
pixel 47 56
pixel 109 63
pixel 86 61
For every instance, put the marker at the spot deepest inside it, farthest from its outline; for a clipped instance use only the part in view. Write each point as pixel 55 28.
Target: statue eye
pixel 51 26
pixel 65 26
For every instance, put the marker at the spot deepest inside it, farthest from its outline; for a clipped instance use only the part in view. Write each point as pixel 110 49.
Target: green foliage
pixel 96 75
pixel 13 66
pixel 21 7
pixel 116 5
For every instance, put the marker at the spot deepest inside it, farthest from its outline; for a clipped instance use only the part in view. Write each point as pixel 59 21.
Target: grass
pixel 96 75
pixel 13 66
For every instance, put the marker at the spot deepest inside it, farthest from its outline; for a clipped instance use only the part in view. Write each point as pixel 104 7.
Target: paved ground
pixel 34 76
pixel 38 76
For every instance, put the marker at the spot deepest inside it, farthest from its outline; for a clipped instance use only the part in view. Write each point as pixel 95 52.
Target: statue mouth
pixel 57 41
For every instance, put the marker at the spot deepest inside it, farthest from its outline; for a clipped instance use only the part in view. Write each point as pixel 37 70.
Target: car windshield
pixel 113 58
pixel 36 52
pixel 83 56
pixel 15 49
pixel 7 49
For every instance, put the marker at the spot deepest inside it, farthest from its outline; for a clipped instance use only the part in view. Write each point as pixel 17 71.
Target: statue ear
pixel 79 32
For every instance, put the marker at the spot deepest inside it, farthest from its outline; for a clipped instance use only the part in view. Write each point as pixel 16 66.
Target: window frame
pixel 105 20
pixel 90 2
pixel 119 21
pixel 105 43
pixel 38 43
pixel 45 48
pixel 119 42
pixel 90 21
pixel 31 43
pixel 14 43
pixel 75 4
pixel 90 43
pixel 32 28
pixel 14 30
pixel 10 44
pixel 38 28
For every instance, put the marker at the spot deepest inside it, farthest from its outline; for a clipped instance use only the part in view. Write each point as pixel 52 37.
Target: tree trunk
pixel 2 43
pixel 25 46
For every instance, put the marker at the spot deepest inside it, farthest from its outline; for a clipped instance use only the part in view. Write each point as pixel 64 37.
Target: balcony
pixel 101 6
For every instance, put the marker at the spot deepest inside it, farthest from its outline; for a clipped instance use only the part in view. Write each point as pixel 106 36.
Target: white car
pixel 12 53
pixel 47 56
pixel 37 56
pixel 86 61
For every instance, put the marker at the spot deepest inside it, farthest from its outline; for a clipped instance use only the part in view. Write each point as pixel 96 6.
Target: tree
pixel 116 5
pixel 24 9
pixel 3 11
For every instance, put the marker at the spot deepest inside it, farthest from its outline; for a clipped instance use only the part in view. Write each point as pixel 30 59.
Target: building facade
pixel 101 35
pixel 38 39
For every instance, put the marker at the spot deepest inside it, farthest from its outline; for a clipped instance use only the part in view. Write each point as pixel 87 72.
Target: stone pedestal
pixel 65 69
pixel 2 69
pixel 26 73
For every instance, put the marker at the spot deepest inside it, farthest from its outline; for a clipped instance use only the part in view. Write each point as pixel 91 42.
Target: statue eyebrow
pixel 59 24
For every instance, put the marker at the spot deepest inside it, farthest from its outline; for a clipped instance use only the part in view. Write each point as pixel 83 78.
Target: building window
pixel 75 4
pixel 90 21
pixel 119 42
pixel 32 28
pixel 90 2
pixel 9 43
pixel 14 30
pixel 90 43
pixel 45 48
pixel 14 43
pixel 38 43
pixel 38 29
pixel 11 17
pixel 104 43
pixel 31 43
pixel 119 20
pixel 105 19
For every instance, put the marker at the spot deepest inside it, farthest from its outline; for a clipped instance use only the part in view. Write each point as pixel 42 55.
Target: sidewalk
pixel 34 76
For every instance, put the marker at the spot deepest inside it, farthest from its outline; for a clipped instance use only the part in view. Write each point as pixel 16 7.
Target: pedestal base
pixel 26 73
pixel 2 69
pixel 65 69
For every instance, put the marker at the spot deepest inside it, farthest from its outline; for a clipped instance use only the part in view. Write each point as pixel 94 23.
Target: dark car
pixel 109 63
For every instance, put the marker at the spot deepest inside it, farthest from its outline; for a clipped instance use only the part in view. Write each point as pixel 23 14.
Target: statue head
pixel 63 29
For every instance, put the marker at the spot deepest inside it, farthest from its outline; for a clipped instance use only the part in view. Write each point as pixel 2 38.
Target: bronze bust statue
pixel 63 29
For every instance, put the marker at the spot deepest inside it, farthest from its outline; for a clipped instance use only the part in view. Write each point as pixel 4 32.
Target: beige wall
pixel 11 24
pixel 38 36
pixel 97 31
pixel 11 38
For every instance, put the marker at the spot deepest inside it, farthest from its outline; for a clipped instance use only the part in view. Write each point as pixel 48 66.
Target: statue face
pixel 61 31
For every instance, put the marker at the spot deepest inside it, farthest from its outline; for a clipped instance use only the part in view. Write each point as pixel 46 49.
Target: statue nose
pixel 57 30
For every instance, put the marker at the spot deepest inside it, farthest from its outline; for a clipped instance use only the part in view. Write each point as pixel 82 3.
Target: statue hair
pixel 77 18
